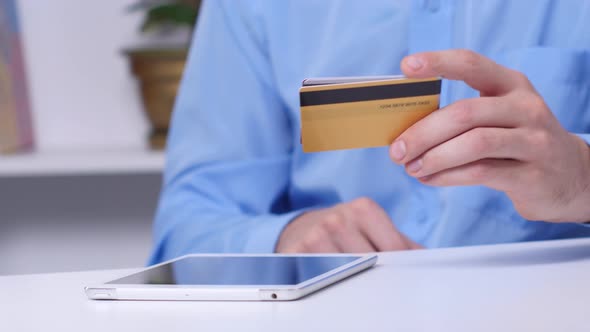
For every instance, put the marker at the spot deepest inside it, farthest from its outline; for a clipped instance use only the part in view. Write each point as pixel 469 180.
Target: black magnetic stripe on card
pixel 365 93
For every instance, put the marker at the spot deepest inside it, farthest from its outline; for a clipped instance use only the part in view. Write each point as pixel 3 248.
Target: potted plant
pixel 159 67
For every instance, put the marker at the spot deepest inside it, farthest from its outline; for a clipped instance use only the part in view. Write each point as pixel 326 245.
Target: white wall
pixel 83 95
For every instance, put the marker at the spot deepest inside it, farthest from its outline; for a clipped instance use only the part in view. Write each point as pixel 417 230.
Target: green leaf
pixel 170 15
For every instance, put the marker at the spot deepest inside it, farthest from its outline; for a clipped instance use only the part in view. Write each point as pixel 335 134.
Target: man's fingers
pixel 497 174
pixel 473 145
pixel 477 71
pixel 411 244
pixel 376 225
pixel 318 240
pixel 452 121
pixel 354 242
pixel 383 235
pixel 357 226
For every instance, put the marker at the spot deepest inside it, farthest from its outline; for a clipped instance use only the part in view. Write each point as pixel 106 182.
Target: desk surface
pixel 538 286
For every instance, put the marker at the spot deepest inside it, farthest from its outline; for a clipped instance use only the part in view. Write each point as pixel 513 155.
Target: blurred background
pixel 82 125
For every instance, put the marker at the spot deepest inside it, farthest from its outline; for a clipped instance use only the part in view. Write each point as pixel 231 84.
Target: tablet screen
pixel 232 270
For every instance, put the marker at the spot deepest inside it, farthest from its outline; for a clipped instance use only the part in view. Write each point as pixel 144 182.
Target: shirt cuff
pixel 265 236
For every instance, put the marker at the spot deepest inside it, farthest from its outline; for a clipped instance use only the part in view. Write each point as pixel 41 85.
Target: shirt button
pixel 432 5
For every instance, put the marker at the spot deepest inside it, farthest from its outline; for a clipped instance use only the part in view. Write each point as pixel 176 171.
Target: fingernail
pixel 415 166
pixel 425 178
pixel 414 62
pixel 398 150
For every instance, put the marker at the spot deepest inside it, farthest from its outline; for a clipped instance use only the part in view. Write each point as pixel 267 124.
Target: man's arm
pixel 228 157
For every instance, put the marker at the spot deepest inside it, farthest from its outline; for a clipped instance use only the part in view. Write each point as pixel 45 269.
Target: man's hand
pixel 507 139
pixel 357 226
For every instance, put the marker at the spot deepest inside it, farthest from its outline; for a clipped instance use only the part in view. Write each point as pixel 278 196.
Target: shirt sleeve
pixel 229 148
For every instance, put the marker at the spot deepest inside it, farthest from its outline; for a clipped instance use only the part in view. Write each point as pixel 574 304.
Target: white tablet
pixel 233 277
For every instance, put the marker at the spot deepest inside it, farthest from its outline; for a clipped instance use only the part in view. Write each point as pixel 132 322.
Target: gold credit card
pixel 362 112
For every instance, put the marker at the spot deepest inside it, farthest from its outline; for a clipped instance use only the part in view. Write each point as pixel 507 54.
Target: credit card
pixel 362 112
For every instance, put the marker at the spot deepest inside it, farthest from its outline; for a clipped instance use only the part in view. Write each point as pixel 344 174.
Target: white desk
pixel 543 286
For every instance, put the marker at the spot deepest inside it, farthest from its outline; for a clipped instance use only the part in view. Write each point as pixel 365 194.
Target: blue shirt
pixel 236 174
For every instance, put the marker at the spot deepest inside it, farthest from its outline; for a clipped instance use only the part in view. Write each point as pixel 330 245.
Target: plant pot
pixel 159 72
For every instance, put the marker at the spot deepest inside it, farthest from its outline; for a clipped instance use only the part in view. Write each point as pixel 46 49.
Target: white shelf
pixel 66 163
